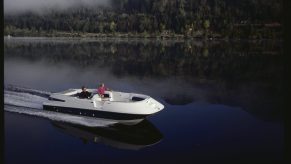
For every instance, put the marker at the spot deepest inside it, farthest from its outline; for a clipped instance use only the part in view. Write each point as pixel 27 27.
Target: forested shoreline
pixel 227 19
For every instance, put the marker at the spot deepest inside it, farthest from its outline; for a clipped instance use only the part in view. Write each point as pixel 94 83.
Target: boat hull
pixel 119 106
pixel 94 113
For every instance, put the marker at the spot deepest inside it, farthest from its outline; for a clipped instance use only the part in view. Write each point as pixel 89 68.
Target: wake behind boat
pixel 129 108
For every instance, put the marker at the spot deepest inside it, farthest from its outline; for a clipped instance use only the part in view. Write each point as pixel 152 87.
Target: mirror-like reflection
pixel 223 100
pixel 133 137
pixel 236 73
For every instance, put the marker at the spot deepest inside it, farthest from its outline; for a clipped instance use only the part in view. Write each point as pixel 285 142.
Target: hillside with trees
pixel 244 19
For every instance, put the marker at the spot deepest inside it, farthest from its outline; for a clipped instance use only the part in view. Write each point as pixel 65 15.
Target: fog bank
pixel 14 7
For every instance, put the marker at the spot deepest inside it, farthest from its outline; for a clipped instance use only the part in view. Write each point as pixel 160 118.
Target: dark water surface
pixel 223 101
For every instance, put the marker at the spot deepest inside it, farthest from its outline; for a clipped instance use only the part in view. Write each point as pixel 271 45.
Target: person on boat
pixel 101 90
pixel 84 93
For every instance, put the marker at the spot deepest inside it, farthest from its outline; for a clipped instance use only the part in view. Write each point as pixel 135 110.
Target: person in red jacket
pixel 102 89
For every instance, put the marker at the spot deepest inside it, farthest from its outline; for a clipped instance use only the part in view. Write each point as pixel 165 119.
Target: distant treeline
pixel 214 61
pixel 246 19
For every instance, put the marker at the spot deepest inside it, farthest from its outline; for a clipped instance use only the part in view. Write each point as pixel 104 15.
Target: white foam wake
pixel 86 121
pixel 31 91
pixel 23 99
pixel 30 102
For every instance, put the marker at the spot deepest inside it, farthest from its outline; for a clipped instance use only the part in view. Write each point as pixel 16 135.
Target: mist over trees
pixel 247 19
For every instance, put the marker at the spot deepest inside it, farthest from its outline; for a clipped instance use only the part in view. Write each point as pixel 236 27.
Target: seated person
pixel 101 90
pixel 84 93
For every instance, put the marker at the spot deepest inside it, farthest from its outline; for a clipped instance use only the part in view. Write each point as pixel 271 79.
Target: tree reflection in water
pixel 248 74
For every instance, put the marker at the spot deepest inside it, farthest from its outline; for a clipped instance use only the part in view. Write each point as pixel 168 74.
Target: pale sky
pixel 41 6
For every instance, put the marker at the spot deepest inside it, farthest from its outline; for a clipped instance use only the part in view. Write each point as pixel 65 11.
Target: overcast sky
pixel 41 6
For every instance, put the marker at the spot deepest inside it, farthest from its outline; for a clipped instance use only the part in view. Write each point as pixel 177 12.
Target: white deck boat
pixel 120 106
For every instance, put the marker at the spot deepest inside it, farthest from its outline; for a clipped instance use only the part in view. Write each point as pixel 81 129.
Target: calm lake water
pixel 223 100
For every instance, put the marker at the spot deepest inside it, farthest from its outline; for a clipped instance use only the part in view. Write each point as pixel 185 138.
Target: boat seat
pixel 97 101
pixel 96 97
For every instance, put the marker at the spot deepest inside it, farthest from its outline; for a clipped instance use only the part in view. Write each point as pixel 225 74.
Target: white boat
pixel 124 107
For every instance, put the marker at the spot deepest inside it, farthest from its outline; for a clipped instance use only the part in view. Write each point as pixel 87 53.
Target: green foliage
pixel 229 19
pixel 206 24
pixel 112 26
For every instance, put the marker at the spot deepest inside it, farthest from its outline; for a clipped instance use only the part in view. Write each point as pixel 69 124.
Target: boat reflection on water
pixel 133 137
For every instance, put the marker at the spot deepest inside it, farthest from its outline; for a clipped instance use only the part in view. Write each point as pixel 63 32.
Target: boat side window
pixel 106 95
pixel 134 98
